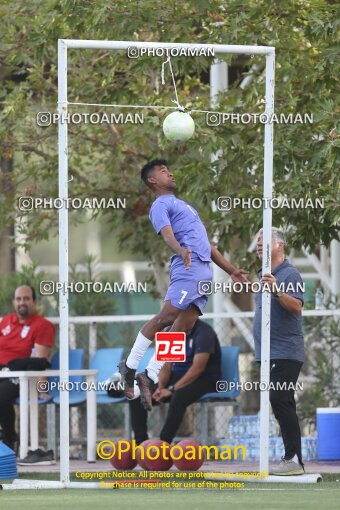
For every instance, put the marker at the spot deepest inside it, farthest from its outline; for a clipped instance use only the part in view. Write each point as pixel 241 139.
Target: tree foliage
pixel 105 160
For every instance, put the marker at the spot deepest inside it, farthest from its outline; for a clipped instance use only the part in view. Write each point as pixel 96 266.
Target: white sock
pixel 138 350
pixel 153 368
pixel 295 459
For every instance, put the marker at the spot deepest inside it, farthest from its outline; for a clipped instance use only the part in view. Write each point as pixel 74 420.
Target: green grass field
pixel 254 496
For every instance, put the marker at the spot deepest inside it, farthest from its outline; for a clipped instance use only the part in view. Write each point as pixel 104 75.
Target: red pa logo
pixel 170 346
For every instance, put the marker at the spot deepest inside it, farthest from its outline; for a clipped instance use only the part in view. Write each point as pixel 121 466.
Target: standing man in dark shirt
pixel 286 348
pixel 182 383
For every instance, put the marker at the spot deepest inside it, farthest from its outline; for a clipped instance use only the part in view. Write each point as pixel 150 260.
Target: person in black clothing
pixel 182 383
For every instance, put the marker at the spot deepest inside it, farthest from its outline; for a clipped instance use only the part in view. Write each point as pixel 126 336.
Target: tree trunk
pixel 7 251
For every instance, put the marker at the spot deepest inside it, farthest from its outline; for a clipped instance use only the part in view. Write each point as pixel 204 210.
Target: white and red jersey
pixel 17 339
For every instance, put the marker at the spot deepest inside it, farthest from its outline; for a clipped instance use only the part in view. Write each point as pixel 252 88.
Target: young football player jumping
pixel 184 233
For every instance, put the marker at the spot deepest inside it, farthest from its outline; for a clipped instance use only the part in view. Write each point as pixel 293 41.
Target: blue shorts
pixel 184 289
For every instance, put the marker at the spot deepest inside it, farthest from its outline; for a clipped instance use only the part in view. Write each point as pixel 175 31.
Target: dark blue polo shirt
pixel 286 339
pixel 202 338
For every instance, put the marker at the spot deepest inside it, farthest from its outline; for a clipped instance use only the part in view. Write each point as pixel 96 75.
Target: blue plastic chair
pixel 76 362
pixel 106 361
pixel 229 373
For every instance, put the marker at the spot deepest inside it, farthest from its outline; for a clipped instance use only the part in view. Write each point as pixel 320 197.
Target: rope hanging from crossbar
pixel 168 61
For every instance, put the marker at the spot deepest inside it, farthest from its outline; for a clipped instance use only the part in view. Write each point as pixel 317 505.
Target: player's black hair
pixel 147 169
pixel 34 295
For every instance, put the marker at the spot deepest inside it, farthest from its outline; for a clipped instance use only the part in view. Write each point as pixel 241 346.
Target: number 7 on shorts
pixel 184 292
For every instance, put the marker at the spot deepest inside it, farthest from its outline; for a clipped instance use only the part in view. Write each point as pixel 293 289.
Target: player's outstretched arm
pixel 175 247
pixel 237 275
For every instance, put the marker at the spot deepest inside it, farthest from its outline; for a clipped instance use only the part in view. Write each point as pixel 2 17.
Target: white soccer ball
pixel 178 127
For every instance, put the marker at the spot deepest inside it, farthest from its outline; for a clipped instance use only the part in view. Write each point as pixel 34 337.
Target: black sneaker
pixel 147 388
pixel 128 379
pixel 38 458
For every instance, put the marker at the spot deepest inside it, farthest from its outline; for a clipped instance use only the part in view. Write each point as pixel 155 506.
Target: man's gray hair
pixel 278 234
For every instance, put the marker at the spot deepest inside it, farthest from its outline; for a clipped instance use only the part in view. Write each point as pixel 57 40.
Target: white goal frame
pixel 220 49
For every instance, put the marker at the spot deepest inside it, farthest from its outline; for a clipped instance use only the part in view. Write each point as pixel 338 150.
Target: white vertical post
pixel 335 267
pixel 92 339
pixel 23 416
pixel 72 338
pixel 91 418
pixel 335 289
pixel 34 413
pixel 266 262
pixel 74 411
pixel 63 264
pixel 218 83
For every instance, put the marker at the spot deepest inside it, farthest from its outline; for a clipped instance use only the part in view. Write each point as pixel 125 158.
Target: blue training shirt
pixel 185 222
pixel 286 339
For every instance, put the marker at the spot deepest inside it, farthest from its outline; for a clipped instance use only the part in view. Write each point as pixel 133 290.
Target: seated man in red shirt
pixel 20 333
